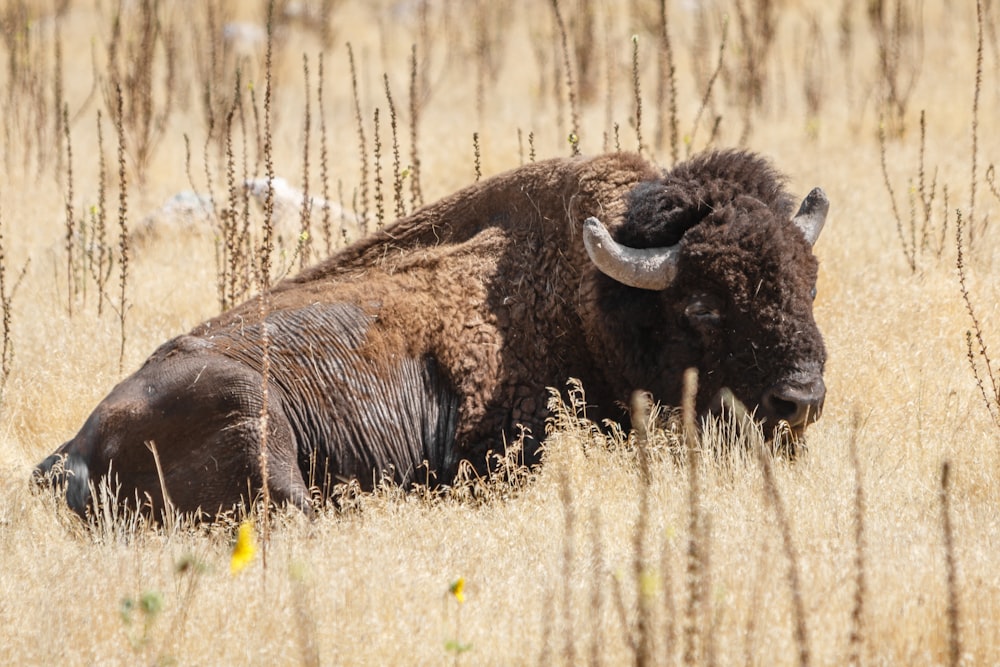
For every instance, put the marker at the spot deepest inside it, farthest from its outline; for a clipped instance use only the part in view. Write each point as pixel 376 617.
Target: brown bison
pixel 432 340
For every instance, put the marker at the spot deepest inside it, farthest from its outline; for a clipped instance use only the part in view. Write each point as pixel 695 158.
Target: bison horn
pixel 644 268
pixel 812 214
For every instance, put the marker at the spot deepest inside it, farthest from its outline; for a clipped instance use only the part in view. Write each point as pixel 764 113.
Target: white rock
pixel 288 208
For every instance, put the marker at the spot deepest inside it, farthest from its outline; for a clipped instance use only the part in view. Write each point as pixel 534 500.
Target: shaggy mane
pixel 661 210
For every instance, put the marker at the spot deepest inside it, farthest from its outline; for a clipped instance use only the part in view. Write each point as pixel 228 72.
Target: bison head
pixel 711 270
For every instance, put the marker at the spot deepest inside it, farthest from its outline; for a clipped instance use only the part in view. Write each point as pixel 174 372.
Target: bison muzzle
pixel 434 340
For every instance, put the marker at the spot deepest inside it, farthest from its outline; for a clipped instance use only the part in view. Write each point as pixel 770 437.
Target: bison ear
pixel 643 268
pixel 812 214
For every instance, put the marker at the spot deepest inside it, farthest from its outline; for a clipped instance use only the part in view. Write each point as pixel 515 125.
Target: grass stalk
pixel 243 264
pixel 258 138
pixel 569 522
pixel 476 156
pixel 228 265
pixel 667 84
pixel 669 606
pixel 416 195
pixel 641 409
pixel 58 103
pixel 7 349
pixel 574 111
pixel 751 629
pixel 710 633
pixel 773 498
pixel 377 156
pixel 324 162
pixel 856 635
pixel 362 143
pixel 305 213
pixel 397 166
pixel 694 560
pixel 610 76
pixel 708 89
pixel 927 194
pixel 99 233
pixel 909 252
pixel 951 579
pixel 123 243
pixel 7 293
pixel 974 230
pixel 619 599
pixel 637 93
pixel 169 513
pixel 70 216
pixel 975 342
pixel 264 254
pixel 597 589
pixel 343 212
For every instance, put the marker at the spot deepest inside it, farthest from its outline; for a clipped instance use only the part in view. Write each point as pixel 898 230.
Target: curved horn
pixel 644 268
pixel 812 214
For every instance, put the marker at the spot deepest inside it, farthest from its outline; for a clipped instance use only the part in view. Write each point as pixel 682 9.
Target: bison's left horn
pixel 812 214
pixel 644 268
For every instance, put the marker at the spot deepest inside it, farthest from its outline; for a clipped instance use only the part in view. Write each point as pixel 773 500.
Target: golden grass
pixel 371 585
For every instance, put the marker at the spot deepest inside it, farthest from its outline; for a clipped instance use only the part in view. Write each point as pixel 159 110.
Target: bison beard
pixel 433 340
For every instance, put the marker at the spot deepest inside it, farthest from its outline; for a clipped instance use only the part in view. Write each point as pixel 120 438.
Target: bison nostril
pixel 783 409
pixel 796 405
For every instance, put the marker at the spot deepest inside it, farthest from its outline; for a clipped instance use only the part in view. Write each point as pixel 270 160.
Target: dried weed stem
pixel 324 165
pixel 264 255
pixel 397 166
pixel 362 143
pixel 954 637
pixel 569 520
pixel 695 559
pixel 773 498
pixel 597 588
pixel 708 90
pixel 667 83
pixel 70 217
pixel 637 93
pixel 476 156
pixel 574 111
pixel 856 635
pixel 6 305
pixel 641 417
pixel 975 342
pixel 123 243
pixel 379 199
pixel 305 213
pixel 416 195
pixel 974 229
pixel 909 252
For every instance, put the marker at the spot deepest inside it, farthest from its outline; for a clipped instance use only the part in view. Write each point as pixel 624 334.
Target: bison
pixel 431 341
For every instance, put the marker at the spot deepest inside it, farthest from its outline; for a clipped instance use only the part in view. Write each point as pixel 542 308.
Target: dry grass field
pixel 852 554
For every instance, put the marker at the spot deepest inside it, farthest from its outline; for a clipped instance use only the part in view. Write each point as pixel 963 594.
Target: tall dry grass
pixel 622 548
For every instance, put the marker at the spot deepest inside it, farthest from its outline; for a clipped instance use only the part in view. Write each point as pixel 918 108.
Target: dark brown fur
pixel 434 338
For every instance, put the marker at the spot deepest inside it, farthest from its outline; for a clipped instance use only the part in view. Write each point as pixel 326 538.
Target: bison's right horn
pixel 812 214
pixel 644 268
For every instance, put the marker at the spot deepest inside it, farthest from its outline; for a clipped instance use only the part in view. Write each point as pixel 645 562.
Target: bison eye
pixel 702 312
pixel 812 293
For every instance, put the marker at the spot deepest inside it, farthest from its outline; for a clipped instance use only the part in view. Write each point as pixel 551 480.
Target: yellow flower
pixel 245 548
pixel 457 589
pixel 649 583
